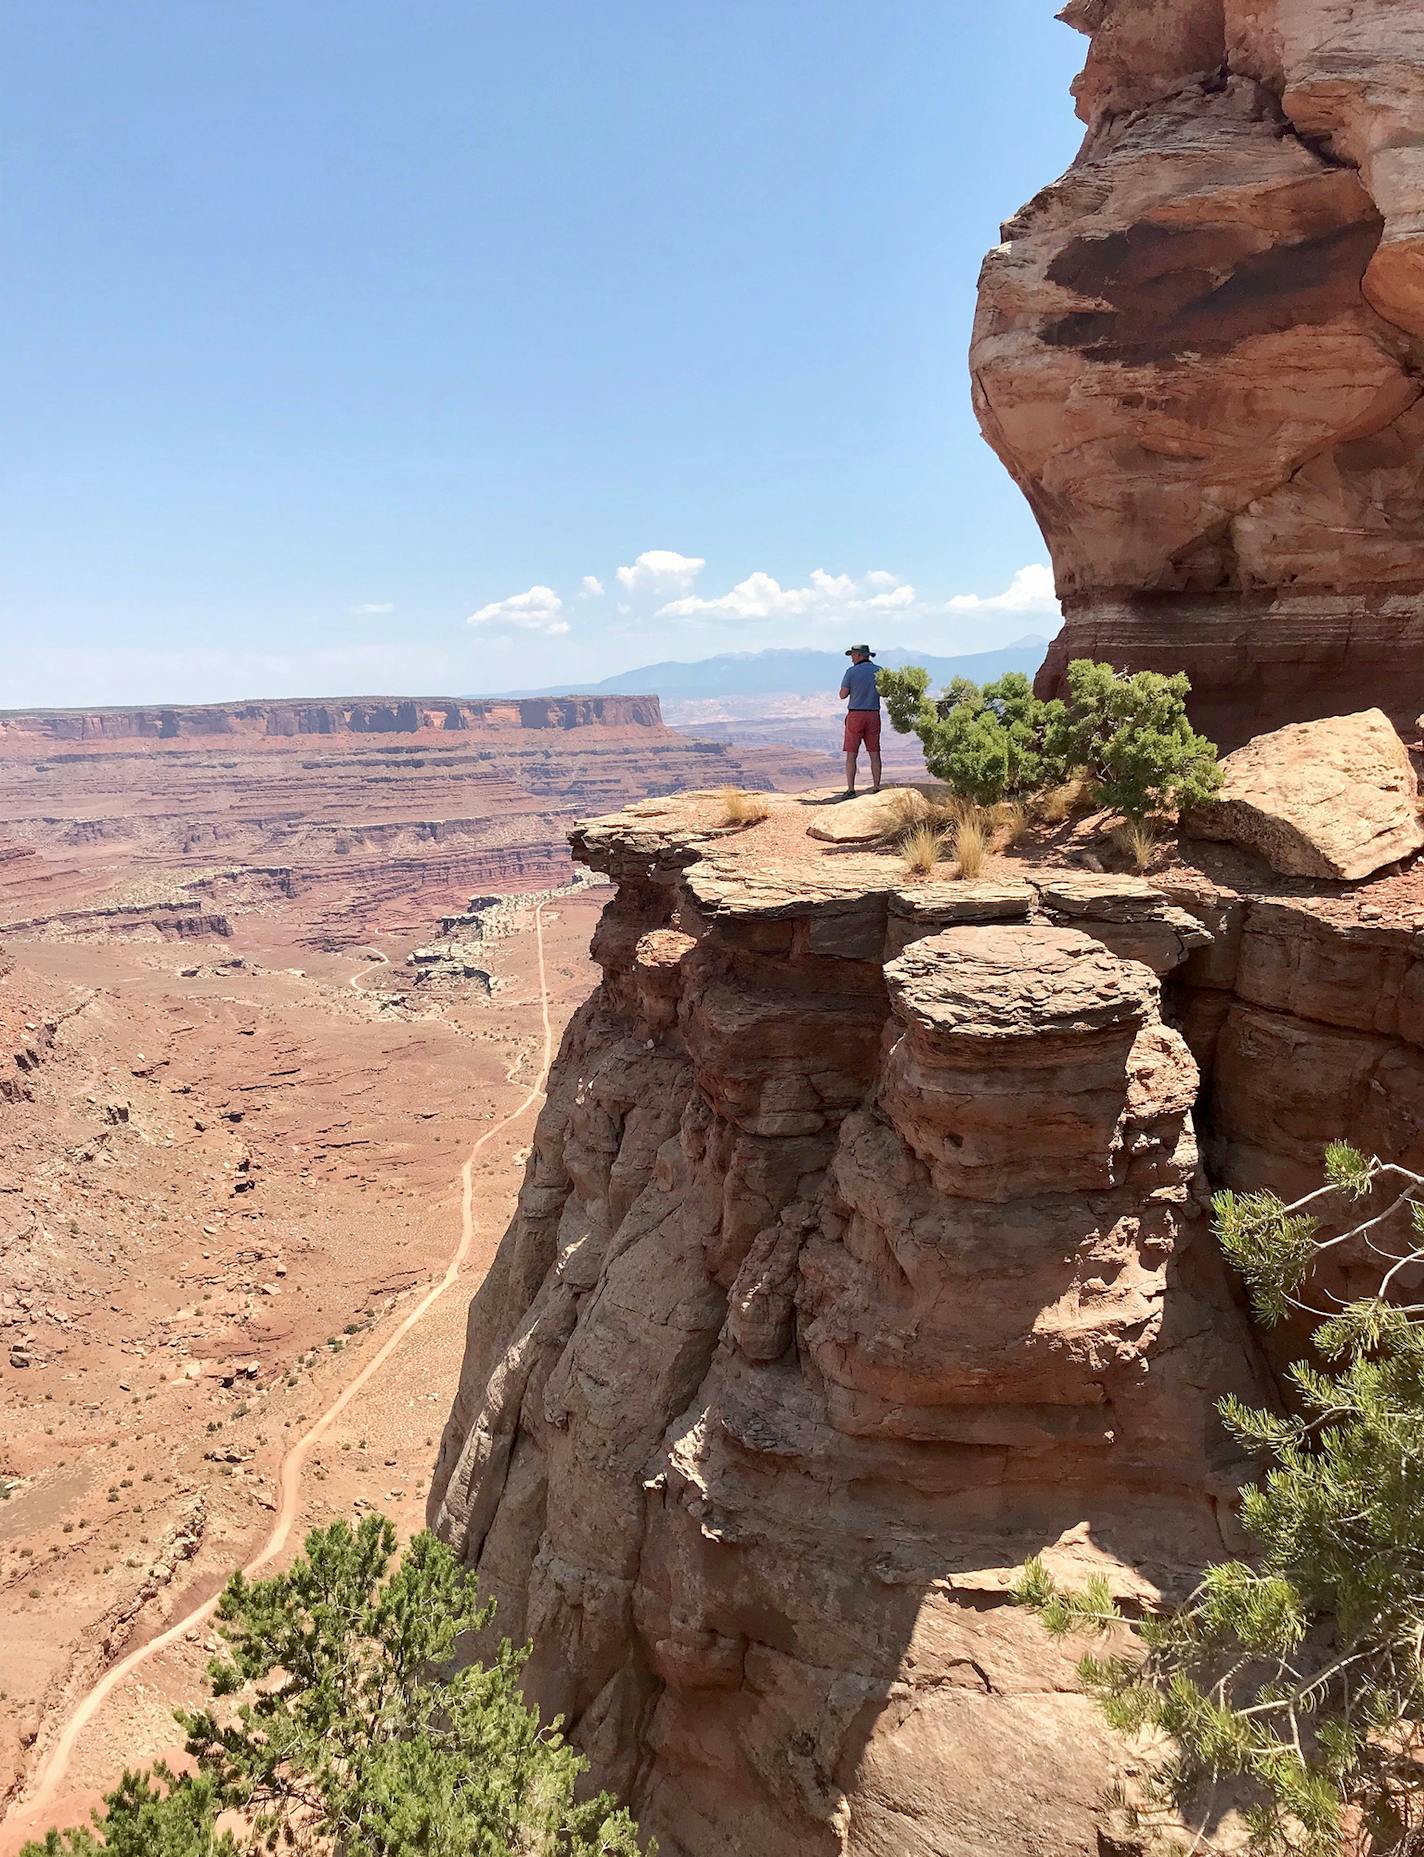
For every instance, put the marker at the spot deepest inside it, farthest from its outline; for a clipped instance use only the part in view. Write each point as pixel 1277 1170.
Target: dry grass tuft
pixel 1079 794
pixel 1054 806
pixel 742 808
pixel 1010 823
pixel 920 847
pixel 951 809
pixel 1140 840
pixel 913 817
pixel 971 844
pixel 904 808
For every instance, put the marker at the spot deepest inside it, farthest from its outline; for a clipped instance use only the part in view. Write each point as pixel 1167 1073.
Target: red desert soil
pixel 194 1365
pixel 246 1141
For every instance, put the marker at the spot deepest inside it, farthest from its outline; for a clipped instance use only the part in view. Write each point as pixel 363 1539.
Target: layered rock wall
pixel 1199 353
pixel 860 1254
pixel 351 825
pixel 375 715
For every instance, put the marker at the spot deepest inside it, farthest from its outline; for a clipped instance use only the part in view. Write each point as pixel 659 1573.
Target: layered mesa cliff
pixel 347 818
pixel 1199 353
pixel 861 1253
pixel 356 715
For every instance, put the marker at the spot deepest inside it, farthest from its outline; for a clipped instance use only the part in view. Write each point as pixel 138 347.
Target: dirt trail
pixel 48 1781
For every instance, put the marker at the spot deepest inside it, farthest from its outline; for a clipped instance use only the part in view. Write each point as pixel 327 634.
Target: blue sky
pixel 332 324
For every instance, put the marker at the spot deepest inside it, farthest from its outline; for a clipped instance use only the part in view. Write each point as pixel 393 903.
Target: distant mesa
pixel 365 715
pixel 344 817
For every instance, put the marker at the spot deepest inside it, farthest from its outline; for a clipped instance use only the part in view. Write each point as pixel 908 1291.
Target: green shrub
pixel 1128 733
pixel 983 743
pixel 1299 1676
pixel 353 1732
pixel 173 1818
pixel 1132 734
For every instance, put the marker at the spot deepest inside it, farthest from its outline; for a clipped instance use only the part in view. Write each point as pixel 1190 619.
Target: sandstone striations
pixel 346 818
pixel 360 715
pixel 1199 353
pixel 860 1253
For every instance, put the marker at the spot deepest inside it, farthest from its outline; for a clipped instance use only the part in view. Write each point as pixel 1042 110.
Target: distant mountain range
pixel 791 673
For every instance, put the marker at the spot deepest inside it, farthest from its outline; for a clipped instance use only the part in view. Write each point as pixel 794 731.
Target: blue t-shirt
pixel 860 684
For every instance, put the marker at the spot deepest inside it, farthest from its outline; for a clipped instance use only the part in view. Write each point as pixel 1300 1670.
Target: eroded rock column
pixel 858 1259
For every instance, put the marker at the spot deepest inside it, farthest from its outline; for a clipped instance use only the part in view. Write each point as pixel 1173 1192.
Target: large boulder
pixel 1335 798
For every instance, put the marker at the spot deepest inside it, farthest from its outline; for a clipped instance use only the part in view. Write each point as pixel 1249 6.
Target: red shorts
pixel 862 725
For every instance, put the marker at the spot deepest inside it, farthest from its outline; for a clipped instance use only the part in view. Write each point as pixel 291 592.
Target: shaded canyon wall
pixel 860 1254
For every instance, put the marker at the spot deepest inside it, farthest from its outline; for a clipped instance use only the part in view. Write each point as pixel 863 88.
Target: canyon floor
pixel 257 1105
pixel 232 1183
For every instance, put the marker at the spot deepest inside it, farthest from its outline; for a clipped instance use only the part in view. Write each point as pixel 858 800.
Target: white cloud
pixel 756 597
pixel 760 596
pixel 538 610
pixel 1030 591
pixel 893 601
pixel 374 606
pixel 590 587
pixel 661 570
pixel 832 586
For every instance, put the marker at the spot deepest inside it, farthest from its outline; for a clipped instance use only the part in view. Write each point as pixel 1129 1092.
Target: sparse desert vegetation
pixel 738 807
pixel 971 844
pixel 1140 841
pixel 921 848
pixel 1010 822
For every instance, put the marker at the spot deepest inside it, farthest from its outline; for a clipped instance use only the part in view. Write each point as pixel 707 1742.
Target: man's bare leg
pixel 850 770
pixel 874 770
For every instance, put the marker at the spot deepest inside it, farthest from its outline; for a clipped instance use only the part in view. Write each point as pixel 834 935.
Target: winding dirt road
pixel 39 1799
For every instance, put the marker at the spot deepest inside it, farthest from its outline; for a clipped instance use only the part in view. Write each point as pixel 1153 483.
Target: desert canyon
pixel 268 974
pixel 860 1245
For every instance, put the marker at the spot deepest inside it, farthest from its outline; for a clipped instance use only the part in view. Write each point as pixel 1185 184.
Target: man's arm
pixel 845 688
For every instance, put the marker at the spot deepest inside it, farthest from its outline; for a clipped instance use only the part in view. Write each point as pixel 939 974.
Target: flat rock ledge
pixel 857 904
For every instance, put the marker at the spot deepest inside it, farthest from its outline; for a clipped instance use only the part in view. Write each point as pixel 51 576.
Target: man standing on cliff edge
pixel 862 723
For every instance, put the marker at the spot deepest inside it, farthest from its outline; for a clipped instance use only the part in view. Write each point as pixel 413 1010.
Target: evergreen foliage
pixel 172 1818
pixel 1129 733
pixel 353 1734
pixel 1300 1675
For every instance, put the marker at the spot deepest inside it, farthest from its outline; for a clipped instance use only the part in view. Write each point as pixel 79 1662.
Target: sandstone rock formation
pixel 1199 353
pixel 1336 798
pixel 860 1254
pixel 1306 1016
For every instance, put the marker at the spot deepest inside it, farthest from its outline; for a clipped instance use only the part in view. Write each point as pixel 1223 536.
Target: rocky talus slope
pixel 860 1254
pixel 1200 351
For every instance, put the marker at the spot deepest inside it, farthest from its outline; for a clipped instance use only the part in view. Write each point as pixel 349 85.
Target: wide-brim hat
pixel 852 649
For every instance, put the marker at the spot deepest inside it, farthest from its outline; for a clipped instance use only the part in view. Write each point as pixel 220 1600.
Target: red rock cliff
pixel 860 1253
pixel 1200 355
pixel 373 715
